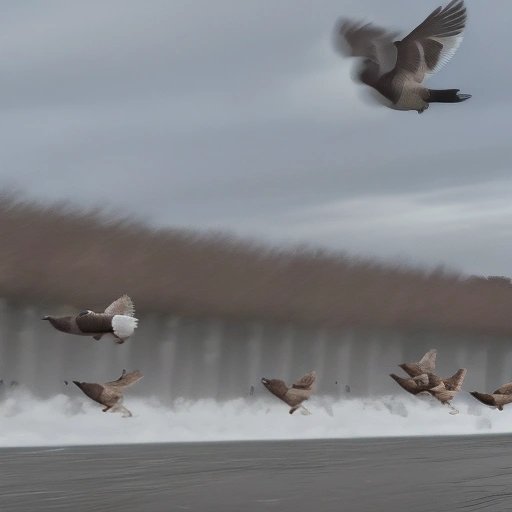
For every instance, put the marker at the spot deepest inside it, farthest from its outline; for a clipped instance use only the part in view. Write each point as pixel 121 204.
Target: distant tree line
pixel 58 254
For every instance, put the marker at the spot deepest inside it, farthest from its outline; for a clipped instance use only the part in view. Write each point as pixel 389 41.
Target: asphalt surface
pixel 421 474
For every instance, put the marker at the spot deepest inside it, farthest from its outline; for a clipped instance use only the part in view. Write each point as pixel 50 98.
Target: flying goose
pixel 110 394
pixel 117 321
pixel 422 380
pixel 498 399
pixel 300 391
pixel 420 384
pixel 443 390
pixel 397 69
pixel 427 364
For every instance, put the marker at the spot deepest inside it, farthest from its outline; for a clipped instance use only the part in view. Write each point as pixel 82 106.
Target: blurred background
pixel 221 167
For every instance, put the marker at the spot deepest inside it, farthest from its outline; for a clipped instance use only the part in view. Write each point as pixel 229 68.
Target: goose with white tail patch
pixel 110 394
pixel 117 321
pixel 299 392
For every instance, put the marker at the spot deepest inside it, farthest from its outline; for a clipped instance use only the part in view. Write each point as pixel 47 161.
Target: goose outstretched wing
pixel 366 40
pixel 506 389
pixel 427 364
pixel 432 43
pixel 305 382
pixel 122 306
pixel 454 383
pixel 127 379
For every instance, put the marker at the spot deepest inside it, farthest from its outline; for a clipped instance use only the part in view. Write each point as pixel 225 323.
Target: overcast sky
pixel 238 115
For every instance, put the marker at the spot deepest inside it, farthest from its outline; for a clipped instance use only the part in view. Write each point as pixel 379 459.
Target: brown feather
pixel 431 52
pixel 454 383
pixel 485 398
pixel 305 382
pixel 93 391
pixel 126 379
pixel 94 323
pixel 427 364
pixel 110 394
pixel 442 22
pixel 506 389
pixel 122 306
pixel 276 386
pixel 295 395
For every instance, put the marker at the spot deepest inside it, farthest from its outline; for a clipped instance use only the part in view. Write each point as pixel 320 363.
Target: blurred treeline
pixel 61 255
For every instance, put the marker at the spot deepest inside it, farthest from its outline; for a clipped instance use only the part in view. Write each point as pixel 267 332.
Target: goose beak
pixel 45 318
pixel 264 381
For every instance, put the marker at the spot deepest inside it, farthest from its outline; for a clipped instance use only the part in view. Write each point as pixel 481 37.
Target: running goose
pixel 397 69
pixel 110 394
pixel 300 391
pixel 427 364
pixel 498 399
pixel 116 322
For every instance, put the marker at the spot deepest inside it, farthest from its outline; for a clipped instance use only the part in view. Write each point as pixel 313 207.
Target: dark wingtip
pixel 76 383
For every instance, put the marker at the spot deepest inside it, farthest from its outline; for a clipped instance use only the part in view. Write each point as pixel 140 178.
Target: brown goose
pixel 116 322
pixel 448 388
pixel 427 364
pixel 294 395
pixel 498 399
pixel 397 69
pixel 443 390
pixel 110 394
pixel 418 384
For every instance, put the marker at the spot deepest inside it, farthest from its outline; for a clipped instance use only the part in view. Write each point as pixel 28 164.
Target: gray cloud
pixel 239 115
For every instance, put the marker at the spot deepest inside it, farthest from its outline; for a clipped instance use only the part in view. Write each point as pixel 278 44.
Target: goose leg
pixel 126 412
pixel 304 411
pixel 453 411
